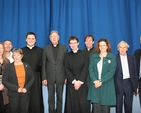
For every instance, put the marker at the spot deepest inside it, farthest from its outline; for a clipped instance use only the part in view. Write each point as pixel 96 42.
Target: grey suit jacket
pixel 53 71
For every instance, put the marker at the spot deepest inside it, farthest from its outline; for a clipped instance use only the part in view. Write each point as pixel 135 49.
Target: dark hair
pixel 73 38
pixel 7 40
pixel 89 35
pixel 31 33
pixel 107 43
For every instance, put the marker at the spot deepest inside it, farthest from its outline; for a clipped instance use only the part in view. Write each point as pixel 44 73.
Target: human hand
pixel 65 82
pixel 24 90
pixel 97 83
pixel 77 85
pixel 19 90
pixel 1 87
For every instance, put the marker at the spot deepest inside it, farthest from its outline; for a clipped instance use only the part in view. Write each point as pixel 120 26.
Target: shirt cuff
pixel 81 82
pixel 73 81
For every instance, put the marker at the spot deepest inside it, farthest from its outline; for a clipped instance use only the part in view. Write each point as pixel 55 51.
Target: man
pixel 137 54
pixel 8 47
pixel 33 56
pixel 76 70
pixel 89 41
pixel 126 78
pixel 53 71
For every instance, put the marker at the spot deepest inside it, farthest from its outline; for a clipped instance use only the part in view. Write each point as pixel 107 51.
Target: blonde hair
pixel 4 52
pixel 18 51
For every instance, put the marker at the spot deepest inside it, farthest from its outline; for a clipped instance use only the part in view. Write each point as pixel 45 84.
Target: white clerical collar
pixel 88 49
pixel 30 47
pixel 55 45
pixel 75 51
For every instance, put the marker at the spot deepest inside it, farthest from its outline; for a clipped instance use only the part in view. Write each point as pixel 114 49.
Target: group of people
pixel 21 76
pixel 94 77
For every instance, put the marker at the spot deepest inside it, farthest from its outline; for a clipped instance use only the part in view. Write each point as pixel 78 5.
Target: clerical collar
pixel 88 49
pixel 55 45
pixel 75 51
pixel 30 47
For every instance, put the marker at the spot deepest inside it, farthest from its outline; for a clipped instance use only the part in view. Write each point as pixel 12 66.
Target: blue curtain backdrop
pixel 115 20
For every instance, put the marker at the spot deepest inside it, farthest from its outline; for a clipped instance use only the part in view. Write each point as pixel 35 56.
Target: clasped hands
pixel 77 84
pixel 97 83
pixel 22 90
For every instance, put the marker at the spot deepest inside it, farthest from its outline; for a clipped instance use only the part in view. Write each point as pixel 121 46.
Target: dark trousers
pixel 2 106
pixel 100 109
pixel 52 87
pixel 126 94
pixel 19 104
pixel 140 91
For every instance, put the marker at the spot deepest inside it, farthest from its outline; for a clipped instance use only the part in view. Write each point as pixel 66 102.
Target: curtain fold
pixel 115 20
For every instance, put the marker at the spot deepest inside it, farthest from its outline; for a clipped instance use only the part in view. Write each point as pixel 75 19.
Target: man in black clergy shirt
pixel 53 71
pixel 33 56
pixel 89 41
pixel 76 71
pixel 90 49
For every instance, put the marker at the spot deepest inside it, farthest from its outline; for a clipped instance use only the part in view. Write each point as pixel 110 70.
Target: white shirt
pixel 125 67
pixel 99 67
pixel 10 57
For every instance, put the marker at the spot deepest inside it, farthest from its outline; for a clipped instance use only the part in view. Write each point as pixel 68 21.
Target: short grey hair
pixel 124 43
pixel 54 31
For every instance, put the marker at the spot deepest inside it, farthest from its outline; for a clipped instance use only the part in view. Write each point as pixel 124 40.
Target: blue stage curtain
pixel 115 20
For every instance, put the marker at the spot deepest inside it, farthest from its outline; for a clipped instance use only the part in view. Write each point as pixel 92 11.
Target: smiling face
pixel 30 40
pixel 17 55
pixel 122 48
pixel 8 45
pixel 89 42
pixel 54 38
pixel 103 46
pixel 73 45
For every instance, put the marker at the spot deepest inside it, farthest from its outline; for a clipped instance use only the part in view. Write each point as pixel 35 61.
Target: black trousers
pixel 19 104
pixel 52 87
pixel 140 91
pixel 100 109
pixel 125 95
pixel 2 106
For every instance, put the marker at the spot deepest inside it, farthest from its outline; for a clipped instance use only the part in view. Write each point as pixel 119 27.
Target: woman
pixel 102 68
pixel 18 78
pixel 3 91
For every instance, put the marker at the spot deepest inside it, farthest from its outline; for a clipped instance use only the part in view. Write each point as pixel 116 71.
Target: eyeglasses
pixel 74 43
pixel 102 45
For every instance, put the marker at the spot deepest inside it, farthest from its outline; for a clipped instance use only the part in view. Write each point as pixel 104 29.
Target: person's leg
pixel 128 96
pixel 119 101
pixel 59 92
pixel 2 106
pixel 24 103
pixel 97 108
pixel 14 104
pixel 105 109
pixel 51 98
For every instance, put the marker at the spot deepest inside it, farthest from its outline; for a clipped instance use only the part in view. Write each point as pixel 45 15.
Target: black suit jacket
pixel 132 71
pixel 137 55
pixel 53 70
pixel 10 79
